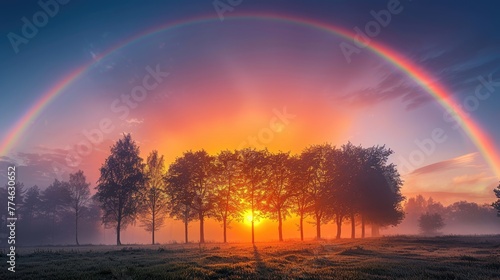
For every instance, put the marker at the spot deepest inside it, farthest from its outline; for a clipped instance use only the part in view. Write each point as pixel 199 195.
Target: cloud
pixel 134 121
pixel 461 161
pixel 393 85
pixel 468 179
pixel 37 168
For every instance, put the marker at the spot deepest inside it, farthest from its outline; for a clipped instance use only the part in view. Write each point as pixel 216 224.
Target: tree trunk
pixel 225 226
pixel 280 226
pixel 226 210
pixel 153 218
pixel 301 227
pixel 118 229
pixel 202 232
pixel 338 221
pixel 253 234
pixel 375 230
pixel 362 226
pixel 318 227
pixel 353 226
pixel 153 233
pixel 76 228
pixel 186 230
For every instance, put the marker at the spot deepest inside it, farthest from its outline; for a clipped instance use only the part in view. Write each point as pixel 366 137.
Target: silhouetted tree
pixel 226 199
pixel 56 200
pixel 339 189
pixel 79 194
pixel 180 192
pixel 380 189
pixel 430 223
pixel 496 204
pixel 32 205
pixel 301 199
pixel 254 174
pixel 314 159
pixel 119 185
pixel 153 208
pixel 278 194
pixel 198 169
pixel 31 214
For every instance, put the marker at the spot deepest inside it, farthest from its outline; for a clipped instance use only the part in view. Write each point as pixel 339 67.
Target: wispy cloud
pixel 470 179
pixel 392 86
pixel 461 161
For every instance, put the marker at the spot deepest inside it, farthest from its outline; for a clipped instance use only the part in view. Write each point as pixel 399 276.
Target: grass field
pixel 451 257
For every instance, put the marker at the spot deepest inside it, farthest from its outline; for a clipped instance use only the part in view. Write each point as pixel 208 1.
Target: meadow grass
pixel 401 257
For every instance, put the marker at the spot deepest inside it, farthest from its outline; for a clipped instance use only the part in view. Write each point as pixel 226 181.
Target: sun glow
pixel 249 217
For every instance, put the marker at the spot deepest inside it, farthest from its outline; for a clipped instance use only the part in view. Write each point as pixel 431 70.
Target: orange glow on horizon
pixel 249 217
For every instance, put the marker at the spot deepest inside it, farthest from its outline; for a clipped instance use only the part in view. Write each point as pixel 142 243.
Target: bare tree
pixel 79 192
pixel 153 210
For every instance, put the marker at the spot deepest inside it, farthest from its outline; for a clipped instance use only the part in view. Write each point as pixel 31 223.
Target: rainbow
pixel 481 140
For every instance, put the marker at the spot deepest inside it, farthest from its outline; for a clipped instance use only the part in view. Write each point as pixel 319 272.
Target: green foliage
pixel 430 223
pixel 153 207
pixel 120 183
pixel 227 190
pixel 190 186
pixel 496 204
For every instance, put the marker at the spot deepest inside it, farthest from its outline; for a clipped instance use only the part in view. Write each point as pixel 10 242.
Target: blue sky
pixel 370 102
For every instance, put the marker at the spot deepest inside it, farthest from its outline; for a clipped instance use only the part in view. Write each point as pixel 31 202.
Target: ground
pixel 450 257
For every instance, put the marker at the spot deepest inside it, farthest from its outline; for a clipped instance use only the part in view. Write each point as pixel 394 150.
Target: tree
pixel 153 208
pixel 496 204
pixel 301 199
pixel 31 214
pixel 32 204
pixel 226 198
pixel 180 192
pixel 339 189
pixel 380 189
pixel 202 172
pixel 315 162
pixel 55 203
pixel 278 190
pixel 197 169
pixel 120 184
pixel 254 174
pixel 430 223
pixel 366 186
pixel 79 194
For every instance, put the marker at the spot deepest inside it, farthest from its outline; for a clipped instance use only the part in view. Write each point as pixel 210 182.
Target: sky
pixel 237 80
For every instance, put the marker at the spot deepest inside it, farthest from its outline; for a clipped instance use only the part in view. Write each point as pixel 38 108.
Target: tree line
pixel 53 215
pixel 429 216
pixel 325 183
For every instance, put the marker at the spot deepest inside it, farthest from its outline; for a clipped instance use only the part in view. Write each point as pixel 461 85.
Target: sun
pixel 248 218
